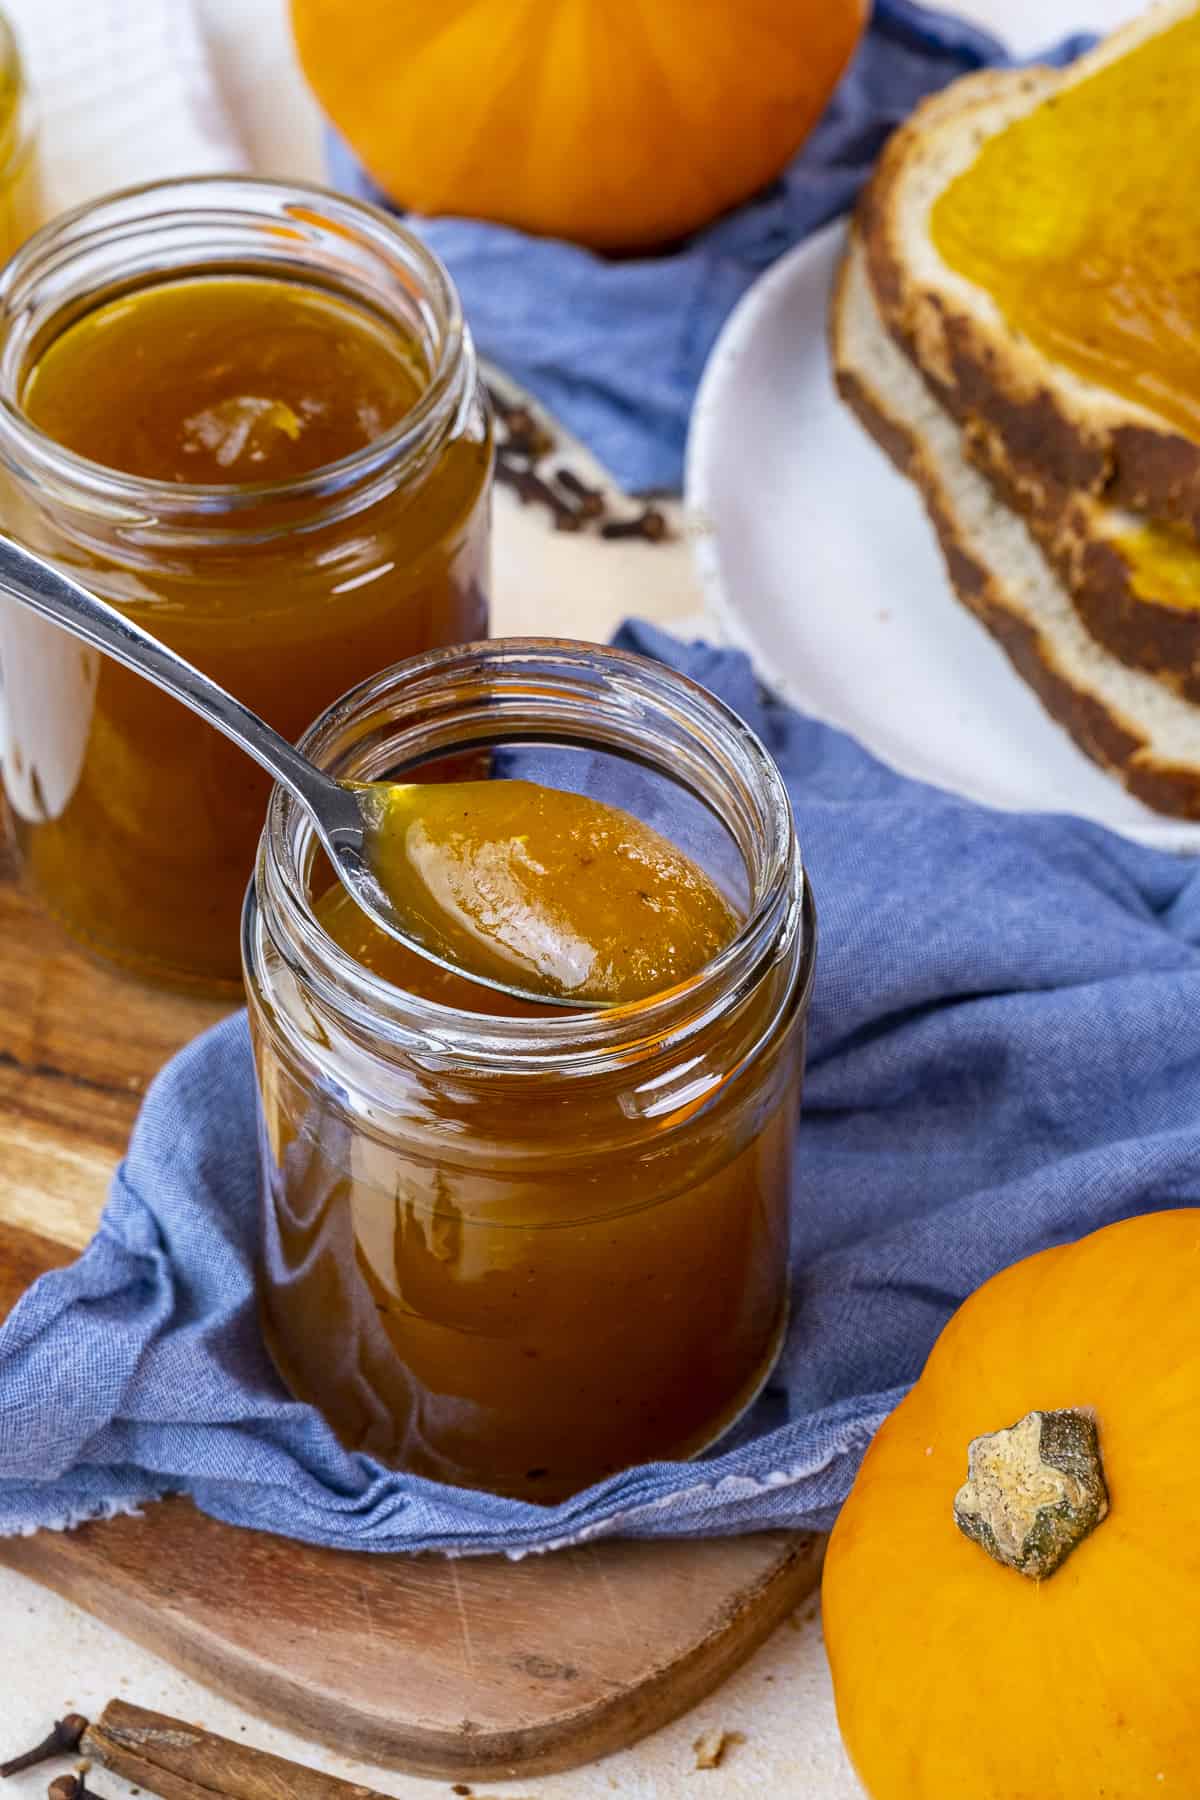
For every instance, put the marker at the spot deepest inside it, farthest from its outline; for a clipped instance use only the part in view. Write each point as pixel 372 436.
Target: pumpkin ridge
pixel 703 155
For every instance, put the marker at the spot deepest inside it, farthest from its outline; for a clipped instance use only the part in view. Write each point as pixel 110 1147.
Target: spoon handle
pixel 46 590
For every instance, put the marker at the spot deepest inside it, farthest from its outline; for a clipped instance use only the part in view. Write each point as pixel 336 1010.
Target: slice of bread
pixel 1135 583
pixel 1146 610
pixel 1122 718
pixel 1050 422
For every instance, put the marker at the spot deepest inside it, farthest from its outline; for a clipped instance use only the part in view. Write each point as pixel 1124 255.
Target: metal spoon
pixel 342 813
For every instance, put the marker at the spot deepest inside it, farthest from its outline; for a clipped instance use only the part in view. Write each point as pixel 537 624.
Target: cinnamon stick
pixel 183 1762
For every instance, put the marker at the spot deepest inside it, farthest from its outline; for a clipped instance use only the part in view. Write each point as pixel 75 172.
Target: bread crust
pixel 1108 738
pixel 1050 422
pixel 1076 534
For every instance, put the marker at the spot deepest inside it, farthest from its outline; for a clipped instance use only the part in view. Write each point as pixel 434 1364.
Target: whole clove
pixel 649 525
pixel 524 435
pixel 527 438
pixel 529 487
pixel 591 502
pixel 71 1787
pixel 519 422
pixel 500 406
pixel 63 1740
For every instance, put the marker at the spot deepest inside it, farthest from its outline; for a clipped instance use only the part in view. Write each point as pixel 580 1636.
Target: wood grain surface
pixel 79 1044
pixel 480 1667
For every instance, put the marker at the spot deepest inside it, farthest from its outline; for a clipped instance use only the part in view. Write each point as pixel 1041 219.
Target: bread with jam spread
pixel 1034 243
pixel 1135 579
pixel 1123 718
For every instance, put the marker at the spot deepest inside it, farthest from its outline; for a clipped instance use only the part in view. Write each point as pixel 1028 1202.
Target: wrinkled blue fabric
pixel 1004 1054
pixel 615 347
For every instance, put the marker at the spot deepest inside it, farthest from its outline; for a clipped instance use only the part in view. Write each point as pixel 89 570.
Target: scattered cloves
pixel 62 1741
pixel 649 525
pixel 532 444
pixel 506 409
pixel 524 444
pixel 519 422
pixel 524 434
pixel 592 504
pixel 529 486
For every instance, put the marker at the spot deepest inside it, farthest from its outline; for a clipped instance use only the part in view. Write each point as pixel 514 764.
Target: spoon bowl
pixel 346 815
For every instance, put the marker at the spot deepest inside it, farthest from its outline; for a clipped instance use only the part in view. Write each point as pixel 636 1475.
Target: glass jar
pixel 20 197
pixel 519 1253
pixel 136 824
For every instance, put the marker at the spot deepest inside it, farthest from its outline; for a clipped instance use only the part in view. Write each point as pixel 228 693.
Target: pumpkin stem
pixel 1033 1492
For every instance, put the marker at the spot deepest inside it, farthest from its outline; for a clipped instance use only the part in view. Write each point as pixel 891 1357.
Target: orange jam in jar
pixel 249 416
pixel 20 188
pixel 1079 218
pixel 510 1246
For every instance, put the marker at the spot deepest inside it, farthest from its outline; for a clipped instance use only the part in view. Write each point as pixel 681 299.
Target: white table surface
pixel 55 1659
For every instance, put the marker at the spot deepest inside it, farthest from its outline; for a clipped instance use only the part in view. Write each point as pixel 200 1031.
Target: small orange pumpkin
pixel 616 123
pixel 1012 1590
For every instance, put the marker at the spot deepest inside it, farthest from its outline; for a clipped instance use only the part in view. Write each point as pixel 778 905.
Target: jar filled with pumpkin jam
pixel 249 416
pixel 20 187
pixel 509 1246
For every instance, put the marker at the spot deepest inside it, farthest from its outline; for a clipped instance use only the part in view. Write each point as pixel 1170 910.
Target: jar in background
pixel 20 197
pixel 518 1252
pixel 136 823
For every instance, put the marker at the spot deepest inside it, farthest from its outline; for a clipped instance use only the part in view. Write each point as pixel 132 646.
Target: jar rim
pixel 289 210
pixel 779 918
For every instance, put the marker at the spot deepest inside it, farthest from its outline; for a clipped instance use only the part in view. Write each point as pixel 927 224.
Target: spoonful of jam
pixel 545 895
pixel 513 881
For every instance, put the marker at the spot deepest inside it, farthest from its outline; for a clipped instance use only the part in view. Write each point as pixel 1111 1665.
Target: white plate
pixel 817 558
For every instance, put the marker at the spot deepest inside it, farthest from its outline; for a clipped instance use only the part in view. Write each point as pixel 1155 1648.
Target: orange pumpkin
pixel 617 123
pixel 1021 1620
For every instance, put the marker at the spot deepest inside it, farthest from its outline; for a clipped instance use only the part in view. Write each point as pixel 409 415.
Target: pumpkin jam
pixel 527 1293
pixel 222 380
pixel 1164 565
pixel 1080 220
pixel 547 889
pixel 142 827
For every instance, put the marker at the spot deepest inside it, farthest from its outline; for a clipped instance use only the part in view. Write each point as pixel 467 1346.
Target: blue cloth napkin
pixel 1004 1054
pixel 616 348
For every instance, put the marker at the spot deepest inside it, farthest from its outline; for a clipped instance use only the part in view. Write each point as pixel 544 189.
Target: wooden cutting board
pixel 473 1668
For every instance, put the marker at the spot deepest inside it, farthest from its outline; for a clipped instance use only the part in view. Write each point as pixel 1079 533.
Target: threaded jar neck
pixel 544 695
